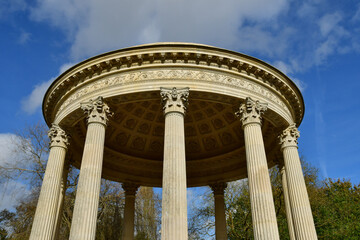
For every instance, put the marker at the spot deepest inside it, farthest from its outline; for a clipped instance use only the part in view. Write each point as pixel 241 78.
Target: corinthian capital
pixel 130 188
pixel 58 137
pixel 218 188
pixel 251 111
pixel 174 100
pixel 289 137
pixel 96 110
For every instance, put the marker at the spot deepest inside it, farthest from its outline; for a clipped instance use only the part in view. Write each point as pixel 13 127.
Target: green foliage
pixel 335 205
pixel 337 214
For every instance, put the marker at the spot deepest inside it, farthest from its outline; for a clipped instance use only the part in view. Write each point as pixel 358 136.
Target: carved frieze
pixel 169 75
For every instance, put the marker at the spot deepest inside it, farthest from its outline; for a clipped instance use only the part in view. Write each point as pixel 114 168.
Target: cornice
pixel 174 54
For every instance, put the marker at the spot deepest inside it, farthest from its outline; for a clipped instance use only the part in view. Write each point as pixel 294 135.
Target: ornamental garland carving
pixel 58 137
pixel 173 74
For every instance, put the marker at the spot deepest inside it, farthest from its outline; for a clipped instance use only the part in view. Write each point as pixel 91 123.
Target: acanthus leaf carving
pixel 289 137
pixel 96 110
pixel 58 137
pixel 251 111
pixel 174 100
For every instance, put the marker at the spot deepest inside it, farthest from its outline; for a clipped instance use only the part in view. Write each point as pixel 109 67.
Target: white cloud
pixel 288 69
pixel 24 37
pixel 9 155
pixel 306 10
pixel 96 26
pixel 329 22
pixel 325 49
pixel 356 16
pixel 12 191
pixel 300 84
pixel 9 7
pixel 270 29
pixel 284 67
pixel 32 102
pixel 65 67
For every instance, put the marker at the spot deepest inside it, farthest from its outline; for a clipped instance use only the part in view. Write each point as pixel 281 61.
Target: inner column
pixel 174 205
pixel 261 198
pixel 220 217
pixel 129 211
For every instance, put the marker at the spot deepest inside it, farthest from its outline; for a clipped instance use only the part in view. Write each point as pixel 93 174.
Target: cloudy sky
pixel 316 43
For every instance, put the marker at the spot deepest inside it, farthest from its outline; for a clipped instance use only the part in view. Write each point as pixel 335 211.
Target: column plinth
pixel 261 197
pixel 44 224
pixel 129 211
pixel 287 204
pixel 174 205
pixel 220 218
pixel 299 201
pixel 87 195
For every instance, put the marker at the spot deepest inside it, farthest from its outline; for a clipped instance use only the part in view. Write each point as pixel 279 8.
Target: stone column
pixel 87 195
pixel 62 193
pixel 287 204
pixel 174 205
pixel 300 206
pixel 129 212
pixel 262 203
pixel 220 218
pixel 45 216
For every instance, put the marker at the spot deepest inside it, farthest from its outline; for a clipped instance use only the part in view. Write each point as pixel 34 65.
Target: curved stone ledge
pixel 174 55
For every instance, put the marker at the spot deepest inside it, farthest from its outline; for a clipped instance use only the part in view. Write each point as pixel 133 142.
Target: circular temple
pixel 130 79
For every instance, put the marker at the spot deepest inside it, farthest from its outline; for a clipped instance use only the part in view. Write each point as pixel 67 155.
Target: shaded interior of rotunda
pixel 214 139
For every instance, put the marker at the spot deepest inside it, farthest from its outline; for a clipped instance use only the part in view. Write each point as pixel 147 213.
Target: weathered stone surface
pixel 129 211
pixel 262 203
pixel 220 218
pixel 45 219
pixel 174 205
pixel 87 195
pixel 299 201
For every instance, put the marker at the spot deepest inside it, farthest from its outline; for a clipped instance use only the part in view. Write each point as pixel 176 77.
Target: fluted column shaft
pixel 262 203
pixel 46 212
pixel 88 190
pixel 129 211
pixel 220 217
pixel 300 205
pixel 287 204
pixel 62 193
pixel 174 203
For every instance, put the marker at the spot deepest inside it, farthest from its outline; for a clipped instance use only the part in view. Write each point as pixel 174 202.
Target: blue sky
pixel 316 43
